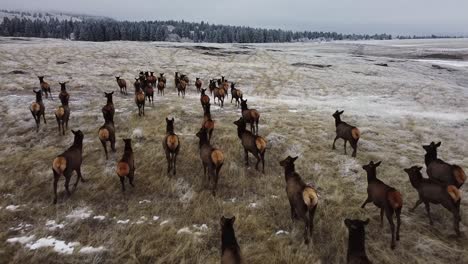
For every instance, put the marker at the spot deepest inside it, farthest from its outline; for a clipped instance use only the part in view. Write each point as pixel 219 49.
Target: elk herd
pixel 442 186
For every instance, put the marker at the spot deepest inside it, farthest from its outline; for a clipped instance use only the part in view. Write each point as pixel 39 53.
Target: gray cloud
pixel 347 16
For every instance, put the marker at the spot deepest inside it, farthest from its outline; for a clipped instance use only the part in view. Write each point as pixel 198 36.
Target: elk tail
pixel 310 197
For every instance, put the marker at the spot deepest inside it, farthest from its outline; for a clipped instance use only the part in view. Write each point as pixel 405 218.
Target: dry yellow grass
pixel 296 106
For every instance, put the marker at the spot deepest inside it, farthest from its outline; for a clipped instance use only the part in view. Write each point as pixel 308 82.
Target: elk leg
pixel 306 229
pixel 105 148
pixel 456 216
pixel 398 214
pixel 43 116
pixel 78 171
pixel 168 158
pixel 263 162
pixel 211 133
pixel 428 210
pixel 418 202
pixel 258 160
pixel 67 182
pixel 77 180
pixel 122 181
pixel 293 212
pixel 345 141
pixel 368 200
pixel 175 161
pixel 381 217
pixel 56 178
pixel 246 157
pixel 354 146
pixel 256 128
pixel 389 214
pixel 336 138
pixel 311 219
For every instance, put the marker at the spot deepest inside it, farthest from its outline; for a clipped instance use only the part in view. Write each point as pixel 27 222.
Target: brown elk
pixel 37 109
pixel 162 78
pixel 220 94
pixel 108 110
pixel 107 133
pixel 185 78
pixel 431 191
pixel 236 94
pixel 212 86
pixel 63 95
pixel 171 146
pixel 181 86
pixel 137 84
pixel 204 99
pixel 122 85
pixel 346 132
pixel 250 116
pixel 62 114
pixel 357 241
pixel 198 84
pixel 208 123
pixel 212 158
pixel 251 143
pixel 440 170
pixel 387 198
pixel 126 165
pixel 303 198
pixel 68 162
pixel 176 79
pixel 140 101
pixel 149 92
pixel 230 250
pixel 45 87
pixel 161 85
pixel 152 79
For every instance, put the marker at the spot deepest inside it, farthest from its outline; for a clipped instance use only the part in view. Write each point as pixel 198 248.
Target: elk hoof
pixel 392 246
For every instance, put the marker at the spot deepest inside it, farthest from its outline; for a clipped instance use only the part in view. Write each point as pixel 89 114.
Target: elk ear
pixel 377 164
pixel 407 170
pixel 295 158
pixel 348 223
pixel 173 119
pixel 73 131
pixel 233 219
pixel 112 92
pixel 167 119
pixel 367 221
pixel 419 168
pixel 438 144
pixel 341 112
pixel 222 220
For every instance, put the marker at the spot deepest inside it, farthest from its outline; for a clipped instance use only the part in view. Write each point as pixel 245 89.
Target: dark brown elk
pixel 37 109
pixel 303 198
pixel 431 191
pixel 171 146
pixel 45 87
pixel 440 170
pixel 225 86
pixel 198 84
pixel 212 158
pixel 62 114
pixel 140 101
pixel 236 94
pixel 251 143
pixel 212 86
pixel 181 87
pixel 137 84
pixel 230 250
pixel 357 242
pixel 387 198
pixel 68 162
pixel 149 92
pixel 346 132
pixel 63 95
pixel 208 123
pixel 204 99
pixel 152 79
pixel 220 94
pixel 185 78
pixel 161 85
pixel 126 165
pixel 108 110
pixel 107 133
pixel 162 78
pixel 176 79
pixel 122 85
pixel 250 116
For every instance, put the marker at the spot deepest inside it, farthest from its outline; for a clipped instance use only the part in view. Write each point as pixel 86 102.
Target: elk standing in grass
pixel 220 94
pixel 122 85
pixel 45 87
pixel 67 162
pixel 63 95
pixel 162 78
pixel 357 242
pixel 208 123
pixel 171 145
pixel 161 85
pixel 126 165
pixel 212 158
pixel 303 198
pixel 137 84
pixel 107 133
pixel 387 198
pixel 181 86
pixel 204 99
pixel 37 109
pixel 251 143
pixel 140 101
pixel 212 86
pixel 108 110
pixel 346 132
pixel 149 91
pixel 431 191
pixel 176 79
pixel 152 79
pixel 250 116
pixel 440 170
pixel 198 84
pixel 62 114
pixel 230 250
pixel 236 94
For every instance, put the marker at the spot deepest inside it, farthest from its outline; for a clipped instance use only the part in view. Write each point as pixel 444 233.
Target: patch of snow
pixel 52 225
pixel 282 232
pixel 155 218
pixel 99 217
pixel 22 239
pixel 184 230
pixel 253 205
pixel 138 133
pixel 124 222
pixel 91 250
pixel 274 196
pixel 164 222
pixel 20 226
pixel 144 201
pixel 141 221
pixel 202 227
pixel 13 208
pixel 453 63
pixel 80 213
pixel 59 246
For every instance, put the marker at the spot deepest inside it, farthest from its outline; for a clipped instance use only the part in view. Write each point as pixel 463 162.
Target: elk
pixel 357 241
pixel 152 79
pixel 230 250
pixel 67 162
pixel 137 84
pixel 140 101
pixel 225 86
pixel 387 198
pixel 212 86
pixel 185 78
pixel 346 132
pixel 208 123
pixel 63 95
pixel 440 170
pixel 220 94
pixel 212 158
pixel 431 191
pixel 108 110
pixel 198 84
pixel 181 86
pixel 162 78
pixel 37 109
pixel 62 114
pixel 126 165
pixel 303 198
pixel 176 79
pixel 45 87
pixel 161 85
pixel 236 94
pixel 122 85
pixel 107 133
pixel 250 116
pixel 251 143
pixel 149 92
pixel 204 99
pixel 171 146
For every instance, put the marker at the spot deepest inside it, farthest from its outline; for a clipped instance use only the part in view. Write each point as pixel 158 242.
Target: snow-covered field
pixel 421 95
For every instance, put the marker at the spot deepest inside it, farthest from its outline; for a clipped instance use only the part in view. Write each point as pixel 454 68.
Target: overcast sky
pixel 346 16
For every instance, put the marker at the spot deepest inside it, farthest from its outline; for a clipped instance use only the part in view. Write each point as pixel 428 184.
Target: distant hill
pixel 47 16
